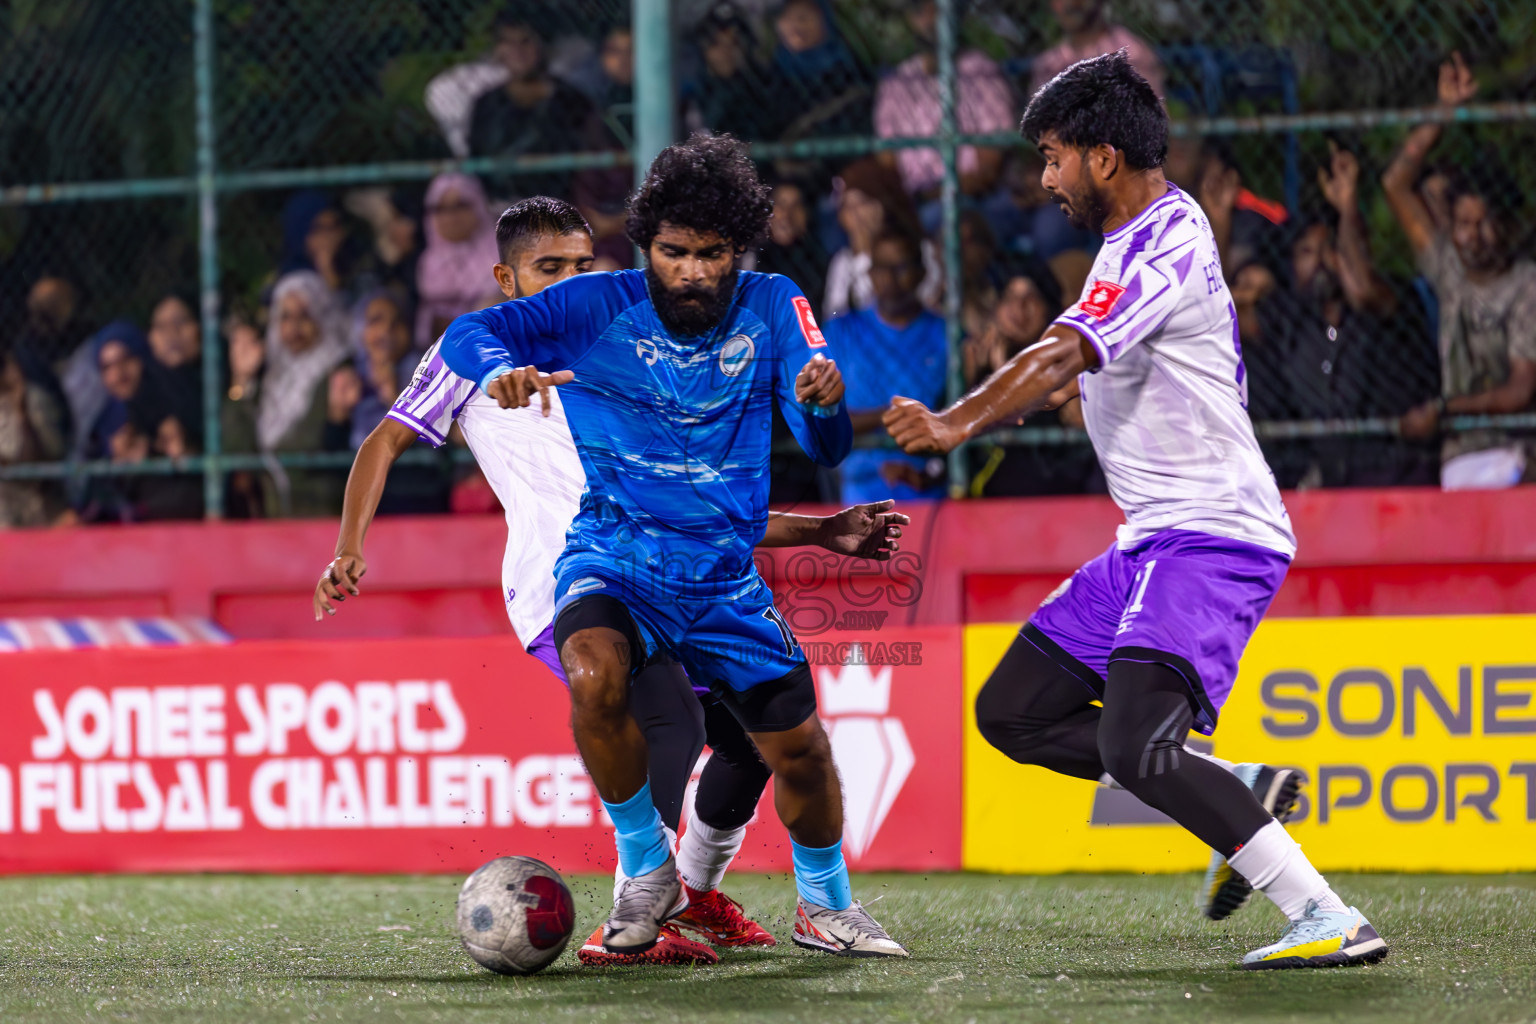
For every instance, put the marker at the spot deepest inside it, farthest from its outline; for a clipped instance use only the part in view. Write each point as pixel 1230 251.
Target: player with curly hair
pixel 669 377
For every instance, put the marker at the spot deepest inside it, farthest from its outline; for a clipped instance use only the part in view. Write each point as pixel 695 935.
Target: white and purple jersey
pixel 1166 408
pixel 530 462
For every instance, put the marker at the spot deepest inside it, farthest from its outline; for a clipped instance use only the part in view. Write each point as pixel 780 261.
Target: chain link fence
pixel 165 166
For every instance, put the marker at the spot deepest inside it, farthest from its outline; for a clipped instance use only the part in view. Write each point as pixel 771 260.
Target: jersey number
pixel 1139 586
pixel 772 615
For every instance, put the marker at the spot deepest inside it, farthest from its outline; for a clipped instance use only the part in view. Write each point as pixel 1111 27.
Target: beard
pixel 1085 210
pixel 693 311
pixel 1481 258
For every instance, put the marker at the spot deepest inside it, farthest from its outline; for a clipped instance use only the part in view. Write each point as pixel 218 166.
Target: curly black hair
pixel 707 184
pixel 1102 100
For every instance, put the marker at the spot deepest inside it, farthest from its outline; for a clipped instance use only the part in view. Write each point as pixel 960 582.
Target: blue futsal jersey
pixel 673 433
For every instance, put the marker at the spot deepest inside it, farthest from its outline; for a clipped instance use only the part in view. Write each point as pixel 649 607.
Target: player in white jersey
pixel 1153 628
pixel 531 463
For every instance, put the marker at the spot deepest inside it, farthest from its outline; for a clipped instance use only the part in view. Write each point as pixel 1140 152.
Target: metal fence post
pixel 949 136
pixel 208 256
pixel 654 114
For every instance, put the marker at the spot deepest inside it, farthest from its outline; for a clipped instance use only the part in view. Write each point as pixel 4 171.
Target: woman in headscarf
pixel 383 361
pixel 454 275
pixel 175 341
pixel 121 354
pixel 825 86
pixel 315 238
pixel 142 417
pixel 287 408
pixel 306 339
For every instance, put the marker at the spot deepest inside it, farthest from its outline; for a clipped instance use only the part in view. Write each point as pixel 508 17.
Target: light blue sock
pixel 821 876
pixel 639 834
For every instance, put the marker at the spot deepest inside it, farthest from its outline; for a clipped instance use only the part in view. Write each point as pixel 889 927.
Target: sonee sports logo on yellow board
pixel 1419 735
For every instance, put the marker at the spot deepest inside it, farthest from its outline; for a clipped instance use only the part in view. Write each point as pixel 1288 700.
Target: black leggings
pixel 734 777
pixel 1038 711
pixel 676 724
pixel 661 699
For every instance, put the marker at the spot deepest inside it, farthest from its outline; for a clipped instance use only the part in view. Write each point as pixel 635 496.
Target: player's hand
pixel 1457 84
pixel 339 579
pixel 820 383
pixel 919 430
pixel 1340 180
pixel 516 388
pixel 864 531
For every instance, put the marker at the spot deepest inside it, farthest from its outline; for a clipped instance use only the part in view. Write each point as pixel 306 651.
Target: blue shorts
pixel 727 636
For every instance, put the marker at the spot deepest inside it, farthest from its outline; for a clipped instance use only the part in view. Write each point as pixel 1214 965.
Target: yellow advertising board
pixel 1419 735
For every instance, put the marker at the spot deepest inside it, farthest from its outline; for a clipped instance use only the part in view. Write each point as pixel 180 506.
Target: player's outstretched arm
pixel 550 330
pixel 1020 386
pixel 365 485
pixel 871 530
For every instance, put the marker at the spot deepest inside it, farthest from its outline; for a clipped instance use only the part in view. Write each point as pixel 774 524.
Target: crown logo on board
pixel 855 689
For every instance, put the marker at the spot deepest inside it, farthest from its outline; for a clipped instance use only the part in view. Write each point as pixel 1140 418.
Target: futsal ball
pixel 515 915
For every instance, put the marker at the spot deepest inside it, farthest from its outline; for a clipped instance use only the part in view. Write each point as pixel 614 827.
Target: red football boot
pixel 717 919
pixel 671 948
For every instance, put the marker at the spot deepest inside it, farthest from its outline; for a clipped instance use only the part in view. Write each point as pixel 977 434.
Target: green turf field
pixel 985 948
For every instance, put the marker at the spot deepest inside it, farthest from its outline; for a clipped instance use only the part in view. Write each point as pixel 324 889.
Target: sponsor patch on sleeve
pixel 1101 299
pixel 813 336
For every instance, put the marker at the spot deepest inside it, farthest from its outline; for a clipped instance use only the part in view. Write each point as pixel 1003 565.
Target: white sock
pixel 619 877
pixel 704 853
pixel 1273 863
pixel 1228 766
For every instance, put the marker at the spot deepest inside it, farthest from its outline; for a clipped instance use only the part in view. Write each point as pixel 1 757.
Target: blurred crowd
pixel 367 279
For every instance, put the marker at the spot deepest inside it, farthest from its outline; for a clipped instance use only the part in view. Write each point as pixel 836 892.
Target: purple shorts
pixel 1184 599
pixel 543 648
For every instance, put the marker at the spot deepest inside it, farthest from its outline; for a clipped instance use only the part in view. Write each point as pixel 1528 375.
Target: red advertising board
pixel 410 755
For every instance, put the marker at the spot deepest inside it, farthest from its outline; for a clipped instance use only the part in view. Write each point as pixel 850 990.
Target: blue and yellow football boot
pixel 1321 939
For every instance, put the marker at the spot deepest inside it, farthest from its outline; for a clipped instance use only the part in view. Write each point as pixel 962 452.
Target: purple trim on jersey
pixel 422 429
pixel 1183 265
pixel 460 407
pixel 1174 221
pixel 1237 346
pixel 1172 195
pixel 440 374
pixel 1150 320
pixel 1139 242
pixel 1136 286
pixel 1083 328
pixel 441 402
pixel 543 648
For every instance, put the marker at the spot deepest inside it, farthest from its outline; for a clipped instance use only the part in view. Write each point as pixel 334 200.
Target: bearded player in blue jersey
pixel 668 378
